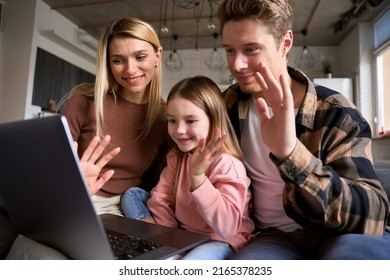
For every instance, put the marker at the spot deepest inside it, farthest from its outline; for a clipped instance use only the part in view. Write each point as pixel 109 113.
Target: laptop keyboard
pixel 126 247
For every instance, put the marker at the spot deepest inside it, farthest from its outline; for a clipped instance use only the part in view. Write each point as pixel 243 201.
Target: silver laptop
pixel 47 199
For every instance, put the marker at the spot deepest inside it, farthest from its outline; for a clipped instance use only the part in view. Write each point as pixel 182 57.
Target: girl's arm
pixel 223 198
pixel 162 201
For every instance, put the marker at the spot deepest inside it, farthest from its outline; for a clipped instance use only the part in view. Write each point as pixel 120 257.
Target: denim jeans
pixel 133 203
pixel 212 250
pixel 319 244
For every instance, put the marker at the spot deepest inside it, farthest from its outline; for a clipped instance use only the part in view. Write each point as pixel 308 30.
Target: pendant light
pixel 215 61
pixel 306 59
pixel 173 61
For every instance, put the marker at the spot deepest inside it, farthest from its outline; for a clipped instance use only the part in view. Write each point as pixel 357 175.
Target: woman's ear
pixel 158 56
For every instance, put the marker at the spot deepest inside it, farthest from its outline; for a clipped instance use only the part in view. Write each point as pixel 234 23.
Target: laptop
pixel 45 194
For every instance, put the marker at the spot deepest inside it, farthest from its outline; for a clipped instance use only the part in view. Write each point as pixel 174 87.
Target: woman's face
pixel 187 123
pixel 133 63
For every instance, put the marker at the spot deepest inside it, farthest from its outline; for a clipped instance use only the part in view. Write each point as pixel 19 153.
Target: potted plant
pixel 326 63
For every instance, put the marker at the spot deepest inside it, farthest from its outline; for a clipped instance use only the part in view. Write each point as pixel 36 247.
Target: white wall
pixel 17 33
pixel 26 26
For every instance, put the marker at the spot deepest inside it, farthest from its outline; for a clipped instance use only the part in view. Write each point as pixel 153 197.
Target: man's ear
pixel 287 42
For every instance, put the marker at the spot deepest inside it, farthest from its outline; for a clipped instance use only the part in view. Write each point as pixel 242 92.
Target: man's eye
pixel 229 51
pixel 251 50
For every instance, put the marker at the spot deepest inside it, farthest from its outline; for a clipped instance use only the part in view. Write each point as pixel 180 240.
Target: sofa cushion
pixel 383 172
pixel 7 231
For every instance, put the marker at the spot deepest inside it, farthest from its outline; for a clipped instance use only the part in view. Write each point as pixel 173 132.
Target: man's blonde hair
pixel 276 15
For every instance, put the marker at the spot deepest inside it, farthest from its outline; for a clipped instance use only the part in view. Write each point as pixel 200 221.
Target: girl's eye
pixel 191 121
pixel 171 121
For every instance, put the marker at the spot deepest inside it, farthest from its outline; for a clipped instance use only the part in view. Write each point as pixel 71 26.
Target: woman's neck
pixel 134 97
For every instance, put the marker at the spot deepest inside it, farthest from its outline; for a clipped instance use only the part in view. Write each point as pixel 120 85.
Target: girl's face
pixel 187 123
pixel 133 63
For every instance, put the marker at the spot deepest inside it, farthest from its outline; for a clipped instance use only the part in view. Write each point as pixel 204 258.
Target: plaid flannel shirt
pixel 329 176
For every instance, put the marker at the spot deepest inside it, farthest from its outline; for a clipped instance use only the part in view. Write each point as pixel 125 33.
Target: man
pixel 307 149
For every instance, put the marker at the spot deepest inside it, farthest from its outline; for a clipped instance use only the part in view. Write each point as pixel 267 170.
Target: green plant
pixel 326 62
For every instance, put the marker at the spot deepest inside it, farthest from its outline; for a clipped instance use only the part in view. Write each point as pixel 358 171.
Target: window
pixel 382 60
pixel 383 91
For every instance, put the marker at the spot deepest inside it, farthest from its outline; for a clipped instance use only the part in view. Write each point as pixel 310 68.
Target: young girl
pixel 204 187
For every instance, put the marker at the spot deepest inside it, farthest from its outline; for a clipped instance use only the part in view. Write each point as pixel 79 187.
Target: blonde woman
pixel 125 103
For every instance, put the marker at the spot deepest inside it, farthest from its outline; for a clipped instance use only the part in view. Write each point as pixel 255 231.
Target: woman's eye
pixel 117 60
pixel 141 57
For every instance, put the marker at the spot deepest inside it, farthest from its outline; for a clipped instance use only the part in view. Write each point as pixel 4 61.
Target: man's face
pixel 247 43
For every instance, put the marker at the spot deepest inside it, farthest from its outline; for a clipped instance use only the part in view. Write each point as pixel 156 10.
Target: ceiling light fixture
pixel 306 59
pixel 211 26
pixel 196 49
pixel 173 61
pixel 215 61
pixel 164 29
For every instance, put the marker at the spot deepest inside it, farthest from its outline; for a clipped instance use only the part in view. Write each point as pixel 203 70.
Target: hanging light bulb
pixel 306 59
pixel 196 49
pixel 211 26
pixel 173 61
pixel 164 29
pixel 215 61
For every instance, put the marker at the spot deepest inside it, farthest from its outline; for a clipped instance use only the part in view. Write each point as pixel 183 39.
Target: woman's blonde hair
pixel 105 82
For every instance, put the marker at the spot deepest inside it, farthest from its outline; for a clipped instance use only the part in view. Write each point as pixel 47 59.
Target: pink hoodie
pixel 218 208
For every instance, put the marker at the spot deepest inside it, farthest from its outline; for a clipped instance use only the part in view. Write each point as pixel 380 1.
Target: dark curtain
pixel 54 78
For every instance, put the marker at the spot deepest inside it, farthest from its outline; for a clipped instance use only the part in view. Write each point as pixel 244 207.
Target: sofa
pixel 383 171
pixel 8 234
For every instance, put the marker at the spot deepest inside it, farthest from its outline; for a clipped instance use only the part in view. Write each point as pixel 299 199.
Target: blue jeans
pixel 318 244
pixel 212 250
pixel 133 203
